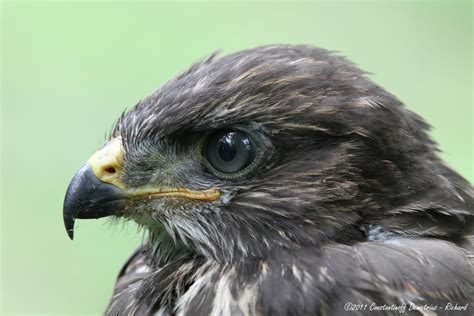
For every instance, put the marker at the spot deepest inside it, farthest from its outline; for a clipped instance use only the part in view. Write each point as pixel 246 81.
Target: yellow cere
pixel 107 163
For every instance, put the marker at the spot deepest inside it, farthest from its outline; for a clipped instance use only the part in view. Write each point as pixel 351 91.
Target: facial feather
pixel 338 150
pixel 344 190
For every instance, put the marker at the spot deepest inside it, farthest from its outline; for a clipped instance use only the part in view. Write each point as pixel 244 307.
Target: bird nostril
pixel 110 169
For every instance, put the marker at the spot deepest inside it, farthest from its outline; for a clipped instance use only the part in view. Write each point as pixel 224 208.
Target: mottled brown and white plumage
pixel 346 201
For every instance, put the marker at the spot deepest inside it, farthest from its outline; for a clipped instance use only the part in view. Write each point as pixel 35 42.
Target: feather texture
pixel 348 203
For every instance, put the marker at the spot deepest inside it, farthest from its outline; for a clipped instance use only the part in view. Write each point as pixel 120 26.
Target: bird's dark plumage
pixel 338 195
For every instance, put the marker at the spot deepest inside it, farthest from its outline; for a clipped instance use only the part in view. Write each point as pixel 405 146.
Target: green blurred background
pixel 69 69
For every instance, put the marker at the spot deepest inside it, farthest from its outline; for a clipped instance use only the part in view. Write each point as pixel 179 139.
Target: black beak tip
pixel 69 225
pixel 69 214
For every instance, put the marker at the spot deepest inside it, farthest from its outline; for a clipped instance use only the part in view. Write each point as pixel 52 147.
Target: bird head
pixel 270 148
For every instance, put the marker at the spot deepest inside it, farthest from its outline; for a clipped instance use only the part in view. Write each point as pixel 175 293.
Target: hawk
pixel 280 180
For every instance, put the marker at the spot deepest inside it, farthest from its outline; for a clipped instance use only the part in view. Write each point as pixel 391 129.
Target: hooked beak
pixel 97 189
pixel 88 197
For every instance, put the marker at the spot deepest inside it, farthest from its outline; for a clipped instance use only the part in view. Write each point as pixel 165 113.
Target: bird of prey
pixel 280 180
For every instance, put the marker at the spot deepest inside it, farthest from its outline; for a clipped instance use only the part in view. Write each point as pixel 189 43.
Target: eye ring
pixel 230 153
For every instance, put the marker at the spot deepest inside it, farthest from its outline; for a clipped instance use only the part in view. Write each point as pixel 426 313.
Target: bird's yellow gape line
pixel 107 165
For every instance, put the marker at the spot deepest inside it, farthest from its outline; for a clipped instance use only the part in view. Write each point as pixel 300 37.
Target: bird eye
pixel 230 151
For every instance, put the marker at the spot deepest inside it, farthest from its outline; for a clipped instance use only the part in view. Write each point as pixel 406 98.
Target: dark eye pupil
pixel 227 150
pixel 230 151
